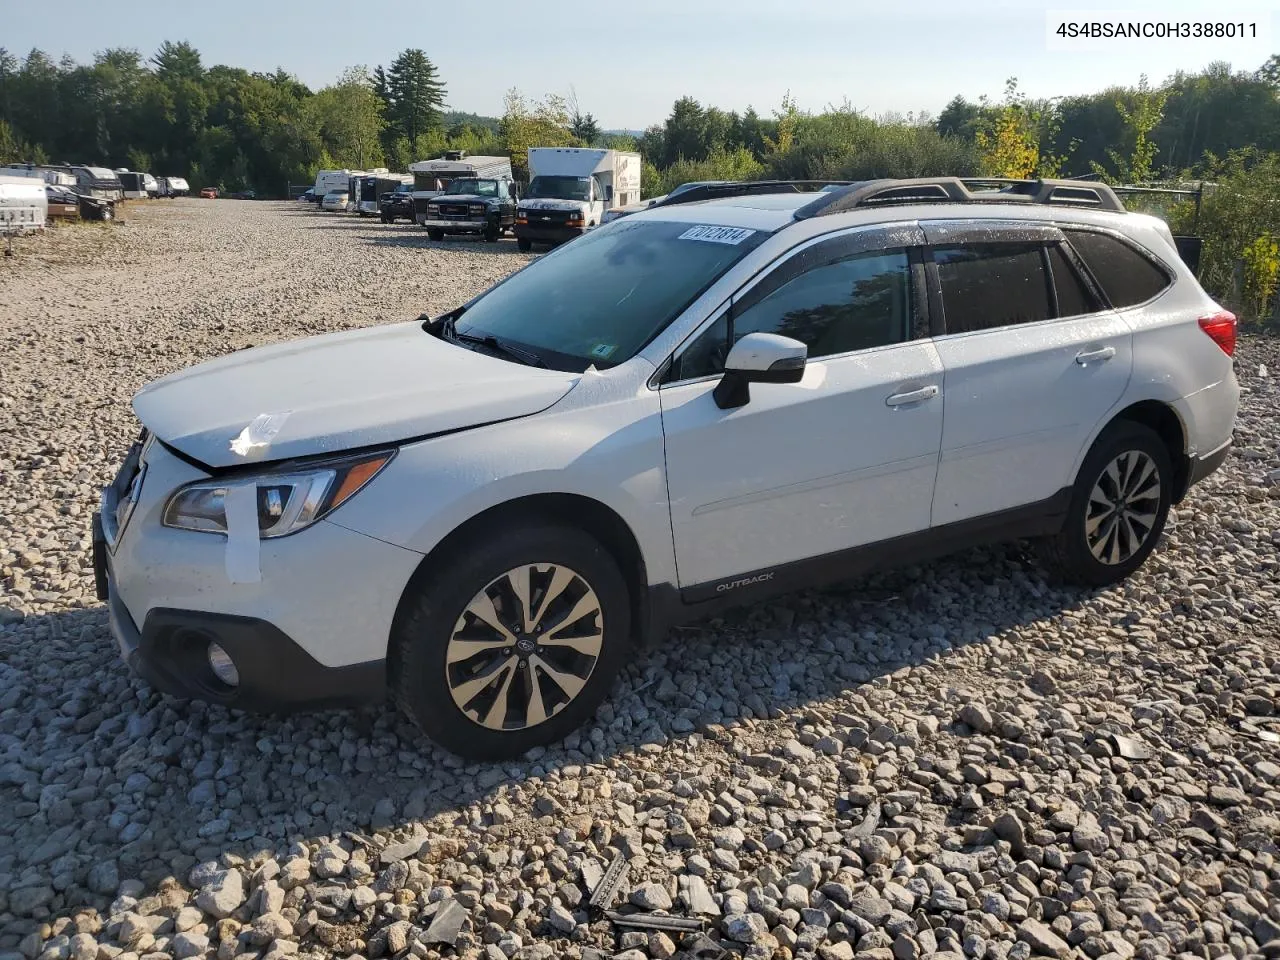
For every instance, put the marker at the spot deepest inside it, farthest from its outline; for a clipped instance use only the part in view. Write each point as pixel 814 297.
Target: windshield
pixel 405 188
pixel 472 186
pixel 560 188
pixel 601 298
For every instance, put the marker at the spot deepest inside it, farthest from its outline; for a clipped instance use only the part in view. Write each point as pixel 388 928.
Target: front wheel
pixel 513 643
pixel 1118 507
pixel 524 244
pixel 435 234
pixel 491 234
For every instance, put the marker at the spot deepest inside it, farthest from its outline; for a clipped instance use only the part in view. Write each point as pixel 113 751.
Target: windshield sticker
pixel 730 235
pixel 603 351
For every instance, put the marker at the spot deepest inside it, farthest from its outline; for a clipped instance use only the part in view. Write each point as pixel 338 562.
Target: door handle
pixel 1089 356
pixel 912 396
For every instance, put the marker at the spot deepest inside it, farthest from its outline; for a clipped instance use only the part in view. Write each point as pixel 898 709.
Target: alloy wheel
pixel 524 647
pixel 1123 508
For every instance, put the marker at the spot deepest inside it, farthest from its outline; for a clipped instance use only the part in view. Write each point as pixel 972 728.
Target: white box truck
pixel 570 189
pixel 432 177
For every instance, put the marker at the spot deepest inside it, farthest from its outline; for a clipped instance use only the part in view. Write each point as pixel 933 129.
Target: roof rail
pixel 741 188
pixel 875 193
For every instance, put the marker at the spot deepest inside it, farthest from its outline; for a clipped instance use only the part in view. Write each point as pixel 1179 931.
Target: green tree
pixel 541 123
pixel 349 118
pixel 1141 114
pixel 585 128
pixel 413 93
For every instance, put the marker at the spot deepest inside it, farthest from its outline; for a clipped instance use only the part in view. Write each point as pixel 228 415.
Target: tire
pixel 491 234
pixel 524 244
pixel 433 693
pixel 386 219
pixel 108 213
pixel 1095 549
pixel 435 234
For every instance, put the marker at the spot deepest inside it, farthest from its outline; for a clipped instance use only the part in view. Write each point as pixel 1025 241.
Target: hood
pixel 551 203
pixel 340 391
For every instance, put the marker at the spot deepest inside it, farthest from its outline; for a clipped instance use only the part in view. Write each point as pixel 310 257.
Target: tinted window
pixel 852 304
pixel 1125 275
pixel 602 297
pixel 991 285
pixel 1074 298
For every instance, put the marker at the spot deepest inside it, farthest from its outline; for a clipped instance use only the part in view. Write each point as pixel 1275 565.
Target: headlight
pixel 477 208
pixel 433 208
pixel 288 501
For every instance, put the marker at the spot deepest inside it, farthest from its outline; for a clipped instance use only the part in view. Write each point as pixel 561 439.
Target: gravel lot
pixel 921 764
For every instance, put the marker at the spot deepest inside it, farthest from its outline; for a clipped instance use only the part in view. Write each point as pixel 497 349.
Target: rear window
pixel 989 285
pixel 1075 299
pixel 1126 276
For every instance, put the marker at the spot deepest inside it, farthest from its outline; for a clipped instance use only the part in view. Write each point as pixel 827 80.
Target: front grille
pixel 550 218
pixel 453 210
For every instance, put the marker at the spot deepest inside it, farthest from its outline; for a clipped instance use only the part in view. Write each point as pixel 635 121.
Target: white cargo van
pixel 327 181
pixel 432 177
pixel 570 191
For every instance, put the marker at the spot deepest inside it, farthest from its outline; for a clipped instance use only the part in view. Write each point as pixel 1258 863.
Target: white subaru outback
pixel 743 390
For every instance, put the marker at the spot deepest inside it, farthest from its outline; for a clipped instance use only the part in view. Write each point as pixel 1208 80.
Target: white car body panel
pixel 803 469
pixel 356 388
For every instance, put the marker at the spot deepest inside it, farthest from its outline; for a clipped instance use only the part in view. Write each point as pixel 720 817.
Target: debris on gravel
pixel 955 760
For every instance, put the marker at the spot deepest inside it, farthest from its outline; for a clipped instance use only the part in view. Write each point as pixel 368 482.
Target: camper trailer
pixel 50 175
pixel 134 185
pixel 95 181
pixel 432 177
pixel 24 205
pixel 151 185
pixel 570 191
pixel 370 188
pixel 173 187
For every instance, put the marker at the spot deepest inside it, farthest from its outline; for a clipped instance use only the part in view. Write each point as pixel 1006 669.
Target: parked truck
pixel 570 190
pixel 432 177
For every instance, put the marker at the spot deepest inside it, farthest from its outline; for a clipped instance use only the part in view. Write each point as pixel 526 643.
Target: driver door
pixel 846 457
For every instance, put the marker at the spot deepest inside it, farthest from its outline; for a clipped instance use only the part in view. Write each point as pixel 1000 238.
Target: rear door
pixel 1033 363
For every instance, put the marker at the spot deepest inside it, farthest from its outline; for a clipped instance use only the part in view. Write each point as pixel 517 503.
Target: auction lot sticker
pixel 732 235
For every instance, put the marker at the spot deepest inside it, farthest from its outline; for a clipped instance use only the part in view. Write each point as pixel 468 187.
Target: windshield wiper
pixel 491 342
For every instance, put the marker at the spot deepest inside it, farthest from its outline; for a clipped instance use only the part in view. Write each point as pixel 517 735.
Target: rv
pixel 327 181
pixel 24 205
pixel 172 187
pixel 432 177
pixel 570 191
pixel 53 177
pixel 135 186
pixel 96 182
pixel 369 190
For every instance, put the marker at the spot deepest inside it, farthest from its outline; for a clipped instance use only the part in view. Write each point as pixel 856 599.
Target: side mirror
pixel 759 358
pixel 608 193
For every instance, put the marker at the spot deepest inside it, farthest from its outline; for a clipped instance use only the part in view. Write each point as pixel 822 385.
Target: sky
pixel 627 62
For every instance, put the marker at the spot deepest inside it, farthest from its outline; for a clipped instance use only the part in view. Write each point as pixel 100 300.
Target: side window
pixel 1075 299
pixel 1125 275
pixel 988 285
pixel 852 304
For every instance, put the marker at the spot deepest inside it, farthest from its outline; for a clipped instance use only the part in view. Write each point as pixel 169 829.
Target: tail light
pixel 1221 328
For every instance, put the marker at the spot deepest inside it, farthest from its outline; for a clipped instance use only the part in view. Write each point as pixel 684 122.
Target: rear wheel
pixel 524 244
pixel 1118 507
pixel 435 233
pixel 513 643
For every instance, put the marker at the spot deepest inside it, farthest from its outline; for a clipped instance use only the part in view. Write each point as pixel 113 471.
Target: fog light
pixel 223 666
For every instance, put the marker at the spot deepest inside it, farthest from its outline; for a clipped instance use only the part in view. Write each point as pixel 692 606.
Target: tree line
pixel 235 129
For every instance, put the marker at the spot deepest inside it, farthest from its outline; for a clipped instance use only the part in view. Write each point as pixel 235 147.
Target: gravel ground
pixel 921 764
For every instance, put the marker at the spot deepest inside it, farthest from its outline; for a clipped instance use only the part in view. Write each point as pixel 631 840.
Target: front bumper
pixel 309 633
pixel 457 226
pixel 556 233
pixel 170 653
